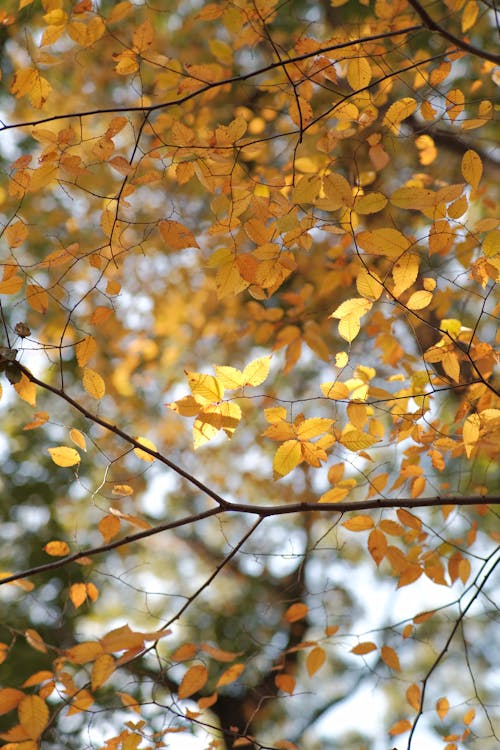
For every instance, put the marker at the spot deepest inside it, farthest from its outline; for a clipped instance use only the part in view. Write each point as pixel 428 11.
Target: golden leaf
pixel 57 549
pixel 63 456
pixel 93 383
pixel 176 235
pixel 33 715
pixel 286 458
pixel 359 523
pixel 143 455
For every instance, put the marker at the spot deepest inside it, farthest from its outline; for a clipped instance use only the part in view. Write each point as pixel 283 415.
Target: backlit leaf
pixel 143 455
pixel 176 235
pixel 93 383
pixel 33 715
pixel 57 549
pixel 63 456
pixel 286 458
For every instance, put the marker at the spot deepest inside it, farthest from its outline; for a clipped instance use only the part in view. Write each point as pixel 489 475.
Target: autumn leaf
pixel 193 681
pixel 63 456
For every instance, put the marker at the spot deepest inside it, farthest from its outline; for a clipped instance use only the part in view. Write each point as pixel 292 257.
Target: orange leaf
pixel 102 669
pixel 285 682
pixel 359 523
pixel 442 707
pixel 414 696
pixel 57 549
pixel 176 235
pixel 315 659
pixel 78 594
pixel 390 657
pixel 400 727
pixel 33 715
pixel 230 675
pixel 296 612
pixel 363 648
pixel 193 681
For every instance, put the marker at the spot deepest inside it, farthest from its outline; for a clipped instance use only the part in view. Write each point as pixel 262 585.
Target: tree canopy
pixel 250 255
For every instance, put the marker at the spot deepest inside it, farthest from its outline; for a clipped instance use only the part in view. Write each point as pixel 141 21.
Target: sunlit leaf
pixel 63 456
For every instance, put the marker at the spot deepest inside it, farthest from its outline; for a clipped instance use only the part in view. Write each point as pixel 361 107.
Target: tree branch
pixel 434 26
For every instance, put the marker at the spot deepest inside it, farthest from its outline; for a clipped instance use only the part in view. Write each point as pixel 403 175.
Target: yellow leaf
pixel 84 652
pixel 387 242
pixel 356 440
pixel 371 203
pixel 230 675
pixel 469 16
pixel 285 682
pixel 193 681
pixel 29 82
pixel 78 594
pixel 414 696
pixel 147 444
pixel 78 438
pixel 335 495
pixel 228 377
pixel 470 433
pixel 404 273
pixel 122 639
pixel 287 457
pixel 257 371
pixel 469 716
pixel 81 701
pixel 414 198
pixel 85 350
pixel 359 73
pixel 390 657
pixel 315 660
pixel 359 523
pixel 296 612
pixel 102 669
pixel 57 549
pixel 85 34
pixel 398 112
pixel 419 300
pixel 93 383
pixel 63 456
pixel 33 715
pixel 451 365
pixel 311 428
pixel 472 168
pixel 143 36
pixel 26 390
pixel 205 387
pixel 189 406
pixel 363 648
pixel 176 235
pixel 442 707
